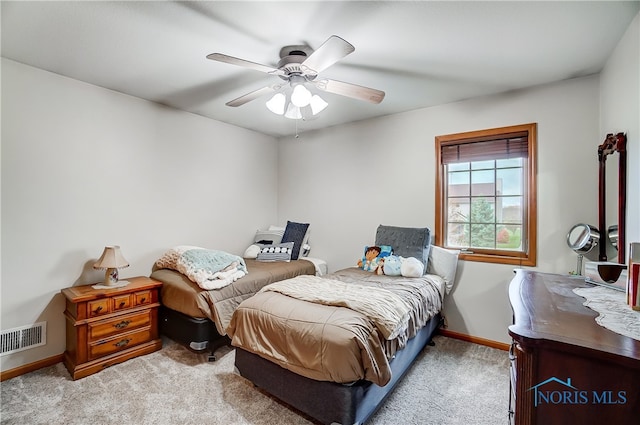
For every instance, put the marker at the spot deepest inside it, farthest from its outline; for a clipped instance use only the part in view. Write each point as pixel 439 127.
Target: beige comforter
pixel 341 330
pixel 181 294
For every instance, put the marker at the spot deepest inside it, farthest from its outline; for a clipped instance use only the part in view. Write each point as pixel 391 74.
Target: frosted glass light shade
pixel 276 103
pixel 297 103
pixel 317 104
pixel 301 96
pixel 293 112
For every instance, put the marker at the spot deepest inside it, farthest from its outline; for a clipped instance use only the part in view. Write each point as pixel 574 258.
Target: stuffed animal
pixel 392 265
pixel 411 267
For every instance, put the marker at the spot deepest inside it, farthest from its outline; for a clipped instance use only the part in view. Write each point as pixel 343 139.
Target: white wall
pixel 84 167
pixel 620 112
pixel 382 172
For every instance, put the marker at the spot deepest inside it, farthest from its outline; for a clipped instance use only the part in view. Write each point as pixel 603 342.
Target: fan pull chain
pixel 297 135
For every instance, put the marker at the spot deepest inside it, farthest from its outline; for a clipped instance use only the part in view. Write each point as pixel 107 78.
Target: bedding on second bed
pixel 185 296
pixel 317 336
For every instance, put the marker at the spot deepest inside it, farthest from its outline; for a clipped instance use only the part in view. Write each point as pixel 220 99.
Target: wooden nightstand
pixel 109 326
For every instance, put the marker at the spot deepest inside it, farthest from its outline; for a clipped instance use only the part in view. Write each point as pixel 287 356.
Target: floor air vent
pixel 18 339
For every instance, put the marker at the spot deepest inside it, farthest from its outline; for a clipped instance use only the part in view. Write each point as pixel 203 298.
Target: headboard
pixel 406 241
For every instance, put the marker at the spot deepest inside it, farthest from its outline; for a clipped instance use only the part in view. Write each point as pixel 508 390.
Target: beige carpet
pixel 454 382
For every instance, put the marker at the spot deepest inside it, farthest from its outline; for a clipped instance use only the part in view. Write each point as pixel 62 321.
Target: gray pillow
pixel 268 236
pixel 275 252
pixel 406 241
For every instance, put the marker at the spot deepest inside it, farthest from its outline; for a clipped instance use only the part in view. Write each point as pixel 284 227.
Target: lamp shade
pixel 111 259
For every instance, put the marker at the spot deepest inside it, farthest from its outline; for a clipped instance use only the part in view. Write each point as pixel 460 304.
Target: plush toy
pixel 252 251
pixel 374 257
pixel 411 267
pixel 392 265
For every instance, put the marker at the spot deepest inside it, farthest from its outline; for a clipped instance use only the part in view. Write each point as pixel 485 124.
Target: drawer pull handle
pixel 122 324
pixel 98 310
pixel 122 343
pixel 143 300
pixel 122 304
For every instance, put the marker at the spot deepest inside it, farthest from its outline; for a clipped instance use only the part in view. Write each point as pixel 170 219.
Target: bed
pixel 335 346
pixel 198 317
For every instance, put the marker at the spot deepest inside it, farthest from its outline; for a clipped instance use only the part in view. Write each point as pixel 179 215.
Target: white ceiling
pixel 421 53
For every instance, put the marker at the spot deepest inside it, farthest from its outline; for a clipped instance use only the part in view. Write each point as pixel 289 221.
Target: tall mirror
pixel 612 236
pixel 606 242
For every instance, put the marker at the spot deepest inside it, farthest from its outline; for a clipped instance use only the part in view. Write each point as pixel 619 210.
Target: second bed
pixel 335 346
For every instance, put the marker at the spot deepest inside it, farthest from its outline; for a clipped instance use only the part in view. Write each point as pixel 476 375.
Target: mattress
pixel 180 294
pixel 332 342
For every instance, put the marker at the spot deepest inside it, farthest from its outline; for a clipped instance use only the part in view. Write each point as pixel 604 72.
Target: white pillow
pixel 444 263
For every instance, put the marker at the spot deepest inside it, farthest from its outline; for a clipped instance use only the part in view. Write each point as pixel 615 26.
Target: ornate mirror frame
pixel 612 144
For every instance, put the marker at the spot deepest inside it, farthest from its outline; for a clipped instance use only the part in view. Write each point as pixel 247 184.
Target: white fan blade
pixel 244 63
pixel 350 90
pixel 330 52
pixel 253 95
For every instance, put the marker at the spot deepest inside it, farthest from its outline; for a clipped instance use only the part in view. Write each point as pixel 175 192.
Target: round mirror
pixel 582 238
pixel 613 235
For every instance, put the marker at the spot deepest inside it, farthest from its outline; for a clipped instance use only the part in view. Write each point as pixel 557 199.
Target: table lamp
pixel 112 260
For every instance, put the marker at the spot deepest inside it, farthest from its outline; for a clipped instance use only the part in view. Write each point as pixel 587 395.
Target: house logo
pixel 559 392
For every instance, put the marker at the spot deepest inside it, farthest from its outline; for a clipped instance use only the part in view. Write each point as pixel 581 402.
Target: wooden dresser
pixel 565 367
pixel 109 326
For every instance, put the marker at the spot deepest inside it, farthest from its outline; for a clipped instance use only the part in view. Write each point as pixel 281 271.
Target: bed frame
pixel 330 402
pixel 198 334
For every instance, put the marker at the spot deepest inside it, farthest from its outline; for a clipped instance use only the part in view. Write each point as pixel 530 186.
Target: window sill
pixel 497 259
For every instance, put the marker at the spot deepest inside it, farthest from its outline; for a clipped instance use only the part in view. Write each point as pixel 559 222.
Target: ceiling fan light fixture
pixel 301 96
pixel 317 104
pixel 299 67
pixel 276 103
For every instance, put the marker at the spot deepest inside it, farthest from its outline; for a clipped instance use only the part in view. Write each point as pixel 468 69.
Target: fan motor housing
pixel 295 50
pixel 290 59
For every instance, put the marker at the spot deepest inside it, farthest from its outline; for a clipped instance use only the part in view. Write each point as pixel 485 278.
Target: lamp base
pixel 111 277
pixel 111 280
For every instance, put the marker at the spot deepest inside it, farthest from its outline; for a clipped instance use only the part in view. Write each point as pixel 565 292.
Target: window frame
pixel 527 257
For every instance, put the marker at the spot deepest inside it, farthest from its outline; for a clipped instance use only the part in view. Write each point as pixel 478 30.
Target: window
pixel 486 196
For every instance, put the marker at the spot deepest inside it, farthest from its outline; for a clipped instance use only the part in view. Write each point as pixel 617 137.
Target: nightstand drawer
pixel 126 323
pixel 122 302
pixel 119 343
pixel 98 307
pixel 143 297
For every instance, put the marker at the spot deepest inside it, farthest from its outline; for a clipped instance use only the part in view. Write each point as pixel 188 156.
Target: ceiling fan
pixel 299 67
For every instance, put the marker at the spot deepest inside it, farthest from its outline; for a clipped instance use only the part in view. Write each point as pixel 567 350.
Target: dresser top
pixel 547 311
pixel 87 292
